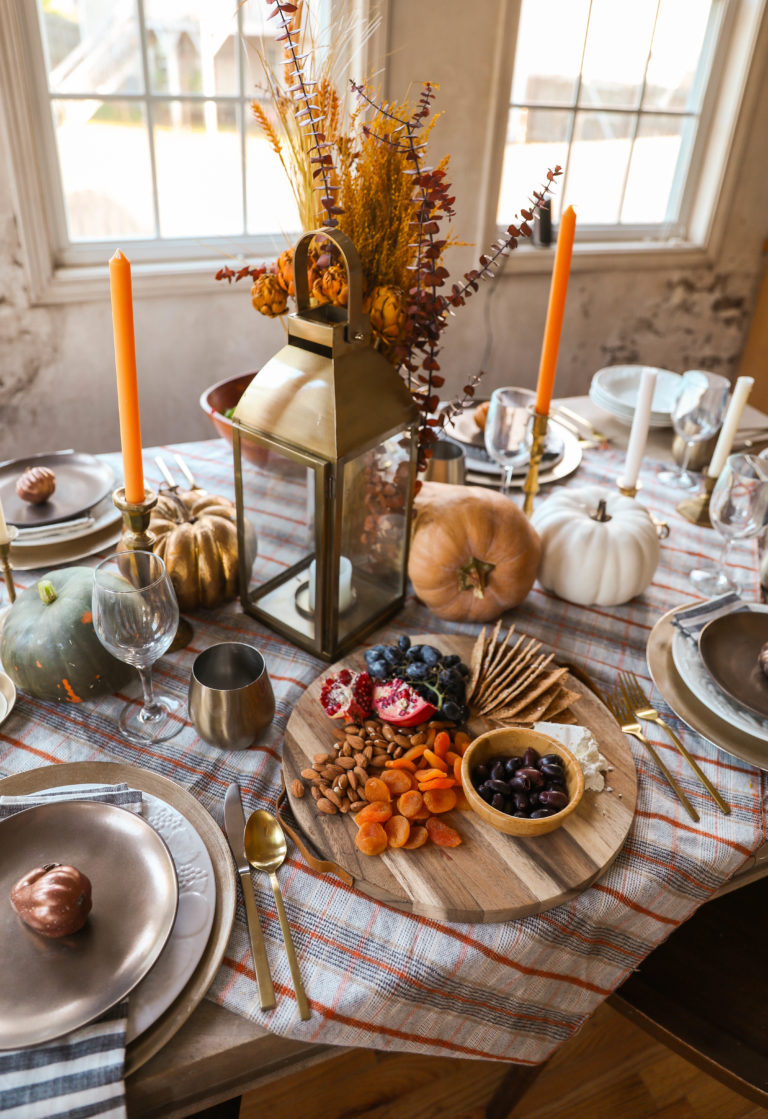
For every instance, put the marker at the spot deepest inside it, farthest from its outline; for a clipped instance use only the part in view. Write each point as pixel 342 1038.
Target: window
pixel 139 123
pixel 623 96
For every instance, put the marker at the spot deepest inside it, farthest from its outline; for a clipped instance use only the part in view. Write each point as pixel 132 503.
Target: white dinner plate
pixel 694 673
pixel 615 389
pixel 194 917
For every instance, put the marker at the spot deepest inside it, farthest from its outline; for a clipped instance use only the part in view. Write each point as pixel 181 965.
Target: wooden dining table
pixel 217 1055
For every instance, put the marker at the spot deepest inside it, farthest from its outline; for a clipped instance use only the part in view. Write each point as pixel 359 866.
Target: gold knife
pixel 234 825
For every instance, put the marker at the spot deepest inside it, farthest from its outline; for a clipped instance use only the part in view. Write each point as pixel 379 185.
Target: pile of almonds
pixel 337 779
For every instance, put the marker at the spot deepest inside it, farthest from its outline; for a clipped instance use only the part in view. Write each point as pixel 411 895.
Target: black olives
pixel 530 787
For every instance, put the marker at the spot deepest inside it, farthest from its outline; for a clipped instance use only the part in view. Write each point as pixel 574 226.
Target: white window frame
pixel 715 171
pixel 52 282
pixel 60 271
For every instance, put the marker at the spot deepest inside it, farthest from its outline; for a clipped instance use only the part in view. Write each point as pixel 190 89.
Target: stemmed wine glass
pixel 697 415
pixel 737 509
pixel 136 615
pixel 507 429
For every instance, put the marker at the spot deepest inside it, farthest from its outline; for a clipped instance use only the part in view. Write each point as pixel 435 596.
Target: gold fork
pixel 619 708
pixel 642 708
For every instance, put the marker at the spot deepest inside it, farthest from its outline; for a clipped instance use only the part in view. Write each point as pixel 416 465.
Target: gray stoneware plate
pixel 51 986
pixel 81 482
pixel 729 647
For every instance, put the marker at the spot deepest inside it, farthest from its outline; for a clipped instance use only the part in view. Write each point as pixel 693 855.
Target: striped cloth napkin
pixel 692 620
pixel 80 1074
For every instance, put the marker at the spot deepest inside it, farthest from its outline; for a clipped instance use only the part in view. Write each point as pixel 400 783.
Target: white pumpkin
pixel 595 562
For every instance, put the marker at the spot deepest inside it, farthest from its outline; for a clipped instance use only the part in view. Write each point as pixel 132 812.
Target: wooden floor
pixel 611 1070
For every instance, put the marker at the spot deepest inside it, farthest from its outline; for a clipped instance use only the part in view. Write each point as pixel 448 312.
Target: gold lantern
pixel 325 464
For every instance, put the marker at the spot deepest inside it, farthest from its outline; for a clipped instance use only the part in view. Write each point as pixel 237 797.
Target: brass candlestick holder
pixel 538 439
pixel 662 528
pixel 696 509
pixel 5 562
pixel 136 532
pixel 137 536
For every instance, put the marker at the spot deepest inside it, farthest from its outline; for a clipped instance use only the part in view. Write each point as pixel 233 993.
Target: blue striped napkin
pixel 692 620
pixel 81 1074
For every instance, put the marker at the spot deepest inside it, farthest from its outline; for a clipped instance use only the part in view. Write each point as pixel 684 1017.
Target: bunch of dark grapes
pixel 438 678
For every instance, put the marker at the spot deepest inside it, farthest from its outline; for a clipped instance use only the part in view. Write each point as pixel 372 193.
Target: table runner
pixel 380 978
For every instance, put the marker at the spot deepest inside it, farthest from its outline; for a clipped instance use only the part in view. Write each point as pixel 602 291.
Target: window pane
pixel 93 47
pixel 271 205
pixel 536 139
pixel 191 46
pixel 618 42
pixel 547 66
pixel 192 203
pixel 105 169
pixel 597 166
pixel 677 45
pixel 655 157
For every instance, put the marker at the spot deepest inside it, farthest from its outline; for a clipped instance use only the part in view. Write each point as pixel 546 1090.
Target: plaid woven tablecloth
pixel 380 978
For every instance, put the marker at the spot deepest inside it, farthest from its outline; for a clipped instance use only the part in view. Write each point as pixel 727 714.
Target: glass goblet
pixel 136 615
pixel 696 416
pixel 507 429
pixel 737 509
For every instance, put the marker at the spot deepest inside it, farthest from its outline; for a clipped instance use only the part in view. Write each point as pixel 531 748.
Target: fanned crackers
pixel 514 681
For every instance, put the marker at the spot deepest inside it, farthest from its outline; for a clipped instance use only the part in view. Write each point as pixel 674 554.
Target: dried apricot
pixel 457 770
pixel 401 763
pixel 442 743
pixel 398 829
pixel 437 783
pixel 371 839
pixel 423 775
pixel 440 800
pixel 435 761
pixel 460 741
pixel 461 800
pixel 397 781
pixel 377 812
pixel 409 804
pixel 375 789
pixel 417 838
pixel 441 833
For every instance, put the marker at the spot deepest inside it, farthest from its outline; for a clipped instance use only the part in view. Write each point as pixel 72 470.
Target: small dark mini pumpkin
pixel 54 900
pixel 49 647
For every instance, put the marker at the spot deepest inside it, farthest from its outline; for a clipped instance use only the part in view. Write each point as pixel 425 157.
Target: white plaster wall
pixel 57 363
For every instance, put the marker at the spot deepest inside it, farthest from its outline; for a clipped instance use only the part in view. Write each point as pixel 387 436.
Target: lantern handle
pixel 358 328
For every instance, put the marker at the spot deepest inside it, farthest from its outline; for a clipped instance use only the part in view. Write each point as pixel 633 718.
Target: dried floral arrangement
pixel 365 172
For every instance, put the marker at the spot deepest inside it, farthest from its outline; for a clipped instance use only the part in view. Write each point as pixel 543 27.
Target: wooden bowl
pixel 513 742
pixel 217 399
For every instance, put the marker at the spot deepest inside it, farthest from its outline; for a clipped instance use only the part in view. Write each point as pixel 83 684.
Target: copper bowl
pixel 217 399
pixel 514 741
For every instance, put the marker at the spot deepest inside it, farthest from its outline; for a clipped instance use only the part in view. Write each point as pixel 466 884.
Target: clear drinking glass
pixel 697 415
pixel 737 509
pixel 507 429
pixel 136 615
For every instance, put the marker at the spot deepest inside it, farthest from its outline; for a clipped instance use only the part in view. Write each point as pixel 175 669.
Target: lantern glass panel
pixel 373 530
pixel 279 503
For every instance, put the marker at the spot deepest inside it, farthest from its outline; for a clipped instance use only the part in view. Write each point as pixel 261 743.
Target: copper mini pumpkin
pixel 54 900
pixel 196 536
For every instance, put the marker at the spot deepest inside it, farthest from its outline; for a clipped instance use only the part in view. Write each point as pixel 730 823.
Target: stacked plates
pixel 715 685
pixel 177 940
pixel 78 520
pixel 615 389
pixel 562 453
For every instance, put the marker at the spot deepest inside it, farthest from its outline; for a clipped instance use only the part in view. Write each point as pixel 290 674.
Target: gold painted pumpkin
pixel 196 536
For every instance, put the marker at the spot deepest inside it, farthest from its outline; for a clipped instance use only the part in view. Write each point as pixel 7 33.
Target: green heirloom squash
pixel 49 647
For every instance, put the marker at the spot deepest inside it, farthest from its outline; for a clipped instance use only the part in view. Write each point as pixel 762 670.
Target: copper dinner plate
pixel 729 647
pixel 51 986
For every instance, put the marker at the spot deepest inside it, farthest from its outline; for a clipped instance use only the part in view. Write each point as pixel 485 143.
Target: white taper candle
pixel 639 433
pixel 736 405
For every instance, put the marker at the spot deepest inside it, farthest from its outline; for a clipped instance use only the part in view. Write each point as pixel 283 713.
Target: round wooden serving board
pixel 490 877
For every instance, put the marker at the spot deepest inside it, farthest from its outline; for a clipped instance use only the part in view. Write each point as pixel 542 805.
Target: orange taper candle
pixel 127 386
pixel 555 311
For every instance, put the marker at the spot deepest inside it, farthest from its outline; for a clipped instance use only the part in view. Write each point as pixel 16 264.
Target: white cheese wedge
pixel 583 745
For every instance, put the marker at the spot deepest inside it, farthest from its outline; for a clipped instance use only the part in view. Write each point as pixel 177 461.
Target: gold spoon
pixel 265 849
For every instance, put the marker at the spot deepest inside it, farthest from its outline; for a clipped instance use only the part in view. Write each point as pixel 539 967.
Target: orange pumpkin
pixel 473 554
